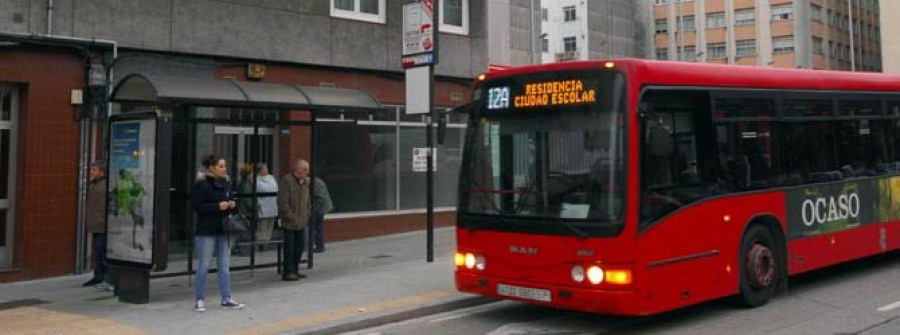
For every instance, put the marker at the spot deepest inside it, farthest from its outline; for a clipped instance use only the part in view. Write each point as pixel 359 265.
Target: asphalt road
pixel 857 298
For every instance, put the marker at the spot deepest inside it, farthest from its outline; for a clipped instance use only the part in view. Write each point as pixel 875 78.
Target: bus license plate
pixel 523 292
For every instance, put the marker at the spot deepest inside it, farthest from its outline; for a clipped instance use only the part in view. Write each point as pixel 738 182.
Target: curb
pixel 396 316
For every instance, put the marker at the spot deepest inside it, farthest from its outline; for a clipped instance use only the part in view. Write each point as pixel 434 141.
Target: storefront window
pixel 449 155
pixel 358 162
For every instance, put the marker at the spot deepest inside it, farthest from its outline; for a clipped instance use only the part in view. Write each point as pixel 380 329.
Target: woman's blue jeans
pixel 205 246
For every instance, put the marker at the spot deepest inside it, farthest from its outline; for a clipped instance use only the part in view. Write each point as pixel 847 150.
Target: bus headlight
pixel 479 263
pixel 595 275
pixel 578 274
pixel 470 260
pixel 459 259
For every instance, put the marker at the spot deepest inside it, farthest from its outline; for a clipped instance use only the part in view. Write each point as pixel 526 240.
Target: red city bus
pixel 635 187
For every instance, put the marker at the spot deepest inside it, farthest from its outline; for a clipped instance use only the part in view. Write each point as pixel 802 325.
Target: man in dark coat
pixel 95 222
pixel 294 209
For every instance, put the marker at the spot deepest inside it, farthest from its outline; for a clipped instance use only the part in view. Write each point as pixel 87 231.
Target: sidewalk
pixel 355 284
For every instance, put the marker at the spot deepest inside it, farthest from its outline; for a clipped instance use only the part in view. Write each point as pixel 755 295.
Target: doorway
pixel 239 145
pixel 9 111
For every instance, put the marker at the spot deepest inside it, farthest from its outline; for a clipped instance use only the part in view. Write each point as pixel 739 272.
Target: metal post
pixel 429 142
pixel 80 241
pixel 609 25
pixel 850 24
pixel 530 38
pixel 680 30
pixel 314 162
pixel 254 219
pixel 430 174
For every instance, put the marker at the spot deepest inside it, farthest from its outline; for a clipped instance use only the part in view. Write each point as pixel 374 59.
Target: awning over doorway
pixel 138 88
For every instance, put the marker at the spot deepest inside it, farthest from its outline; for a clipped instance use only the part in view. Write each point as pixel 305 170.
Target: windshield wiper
pixel 572 227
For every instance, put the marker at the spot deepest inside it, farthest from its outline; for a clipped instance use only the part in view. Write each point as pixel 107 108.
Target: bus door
pixel 678 243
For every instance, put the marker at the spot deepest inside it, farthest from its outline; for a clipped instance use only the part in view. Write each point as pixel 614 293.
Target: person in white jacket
pixel 267 189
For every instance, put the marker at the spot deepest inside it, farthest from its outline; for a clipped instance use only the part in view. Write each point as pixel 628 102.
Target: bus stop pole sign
pixel 420 45
pixel 419 33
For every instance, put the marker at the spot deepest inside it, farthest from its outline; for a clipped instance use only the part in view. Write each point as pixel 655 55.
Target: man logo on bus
pixel 825 210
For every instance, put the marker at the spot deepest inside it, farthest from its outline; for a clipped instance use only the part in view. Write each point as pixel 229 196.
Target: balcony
pixel 566 56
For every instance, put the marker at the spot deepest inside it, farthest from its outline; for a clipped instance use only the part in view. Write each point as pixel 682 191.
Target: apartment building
pixel 813 34
pixel 579 30
pixel 890 49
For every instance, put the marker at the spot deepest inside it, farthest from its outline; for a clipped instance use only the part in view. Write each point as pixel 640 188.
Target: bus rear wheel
pixel 760 267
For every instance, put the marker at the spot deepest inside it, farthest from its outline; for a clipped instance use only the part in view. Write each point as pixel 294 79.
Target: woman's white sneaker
pixel 199 307
pixel 232 304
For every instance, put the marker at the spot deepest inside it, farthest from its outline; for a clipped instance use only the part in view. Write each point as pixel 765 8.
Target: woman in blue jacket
pixel 213 202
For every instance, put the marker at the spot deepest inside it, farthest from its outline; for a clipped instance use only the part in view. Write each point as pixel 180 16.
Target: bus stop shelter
pixel 246 123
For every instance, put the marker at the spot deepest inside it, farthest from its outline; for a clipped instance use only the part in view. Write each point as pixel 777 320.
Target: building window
pixel 570 44
pixel 455 16
pixel 662 53
pixel 545 45
pixel 569 13
pixel 744 17
pixel 745 48
pixel 687 22
pixel 545 14
pixel 689 54
pixel 715 20
pixel 660 2
pixel 783 44
pixel 815 12
pixel 662 26
pixel 782 12
pixel 362 10
pixel 716 50
pixel 818 46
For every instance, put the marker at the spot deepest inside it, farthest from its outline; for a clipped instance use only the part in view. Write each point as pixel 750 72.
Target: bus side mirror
pixel 644 109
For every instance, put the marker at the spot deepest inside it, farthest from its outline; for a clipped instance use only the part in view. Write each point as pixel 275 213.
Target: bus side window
pixel 746 148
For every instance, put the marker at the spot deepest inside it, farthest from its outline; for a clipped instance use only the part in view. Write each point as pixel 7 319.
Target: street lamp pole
pixel 680 30
pixel 531 30
pixel 850 23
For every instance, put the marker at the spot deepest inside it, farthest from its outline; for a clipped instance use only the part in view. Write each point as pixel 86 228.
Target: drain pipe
pixel 49 17
pixel 87 148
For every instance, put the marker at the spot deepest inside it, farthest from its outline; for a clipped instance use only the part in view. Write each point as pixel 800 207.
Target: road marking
pixel 449 316
pixel 886 308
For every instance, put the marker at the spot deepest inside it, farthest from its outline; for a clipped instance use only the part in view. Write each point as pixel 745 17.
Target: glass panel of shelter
pixel 245 138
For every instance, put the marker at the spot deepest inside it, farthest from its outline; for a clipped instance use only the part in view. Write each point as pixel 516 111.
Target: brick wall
pixel 47 161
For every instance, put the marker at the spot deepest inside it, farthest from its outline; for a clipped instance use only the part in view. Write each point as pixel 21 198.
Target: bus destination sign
pixel 541 94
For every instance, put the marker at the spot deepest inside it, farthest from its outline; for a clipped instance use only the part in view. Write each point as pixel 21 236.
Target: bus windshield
pixel 561 161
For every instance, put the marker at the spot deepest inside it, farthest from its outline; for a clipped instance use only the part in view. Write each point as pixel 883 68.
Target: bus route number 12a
pixel 498 98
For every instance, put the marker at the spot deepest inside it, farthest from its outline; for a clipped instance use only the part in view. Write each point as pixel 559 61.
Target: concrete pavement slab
pixel 354 283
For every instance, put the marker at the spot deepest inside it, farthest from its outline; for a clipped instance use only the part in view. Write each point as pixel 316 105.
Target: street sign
pixel 420 159
pixel 419 42
pixel 418 90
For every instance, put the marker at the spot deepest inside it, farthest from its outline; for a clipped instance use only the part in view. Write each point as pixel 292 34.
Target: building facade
pixel 514 31
pixel 812 34
pixel 579 30
pixel 53 84
pixel 890 31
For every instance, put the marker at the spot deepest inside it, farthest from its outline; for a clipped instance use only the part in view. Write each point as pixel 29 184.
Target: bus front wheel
pixel 759 266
